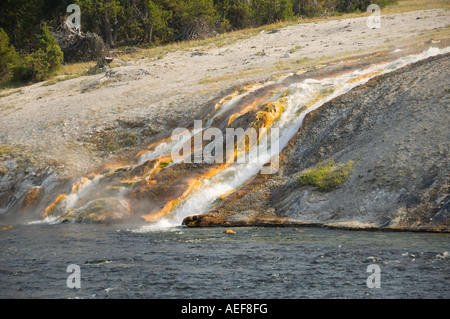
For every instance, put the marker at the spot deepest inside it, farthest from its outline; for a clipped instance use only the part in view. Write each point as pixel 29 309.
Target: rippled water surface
pixel 129 261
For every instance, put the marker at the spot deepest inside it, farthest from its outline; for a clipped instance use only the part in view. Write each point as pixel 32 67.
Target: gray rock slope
pixel 395 129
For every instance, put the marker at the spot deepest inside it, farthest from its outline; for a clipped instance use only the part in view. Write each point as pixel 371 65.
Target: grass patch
pixel 111 140
pixel 60 79
pixel 296 48
pixel 5 108
pixel 5 149
pixel 326 177
pixel 63 73
pixel 7 83
pixel 10 93
pixel 231 76
pixel 414 5
pixel 75 69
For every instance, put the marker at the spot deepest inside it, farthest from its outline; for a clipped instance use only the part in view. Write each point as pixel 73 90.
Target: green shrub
pixel 33 67
pixel 48 44
pixel 8 55
pixel 42 63
pixel 360 5
pixel 326 177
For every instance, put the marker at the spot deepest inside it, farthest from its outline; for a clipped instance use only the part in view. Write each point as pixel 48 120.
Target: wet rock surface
pixel 393 129
pixel 61 133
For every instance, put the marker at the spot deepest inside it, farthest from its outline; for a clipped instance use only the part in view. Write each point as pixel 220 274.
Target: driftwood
pixel 79 47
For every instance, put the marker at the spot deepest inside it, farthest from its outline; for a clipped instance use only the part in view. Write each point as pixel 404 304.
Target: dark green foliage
pixel 360 5
pixel 33 68
pixel 268 11
pixel 8 55
pixel 53 53
pixel 353 5
pixel 243 13
pixel 40 64
pixel 197 18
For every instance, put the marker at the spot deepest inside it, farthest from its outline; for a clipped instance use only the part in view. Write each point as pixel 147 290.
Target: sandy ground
pixel 173 91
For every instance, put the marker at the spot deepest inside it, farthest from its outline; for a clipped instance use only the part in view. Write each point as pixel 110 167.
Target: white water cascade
pixel 204 197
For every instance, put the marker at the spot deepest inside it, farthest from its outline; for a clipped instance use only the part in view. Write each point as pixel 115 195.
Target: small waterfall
pixel 164 192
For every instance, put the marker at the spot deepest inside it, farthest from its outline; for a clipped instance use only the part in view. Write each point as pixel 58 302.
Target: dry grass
pixel 231 76
pixel 414 5
pixel 70 71
pixel 75 68
pixel 65 72
pixel 10 93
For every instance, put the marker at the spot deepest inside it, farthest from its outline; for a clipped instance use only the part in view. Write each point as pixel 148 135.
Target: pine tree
pixel 42 63
pixel 8 55
pixel 48 44
pixel 157 21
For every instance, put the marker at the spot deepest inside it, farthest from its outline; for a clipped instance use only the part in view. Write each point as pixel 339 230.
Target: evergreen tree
pixel 48 44
pixel 157 22
pixel 42 63
pixel 102 16
pixel 238 13
pixel 197 18
pixel 8 55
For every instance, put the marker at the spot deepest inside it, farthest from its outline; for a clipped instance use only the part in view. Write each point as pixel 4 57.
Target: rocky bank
pixel 395 131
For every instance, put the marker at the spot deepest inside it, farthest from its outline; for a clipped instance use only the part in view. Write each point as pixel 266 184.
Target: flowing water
pixel 131 262
pixel 165 260
pixel 157 194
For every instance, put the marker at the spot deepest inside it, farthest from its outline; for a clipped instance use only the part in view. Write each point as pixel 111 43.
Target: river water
pixel 134 261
